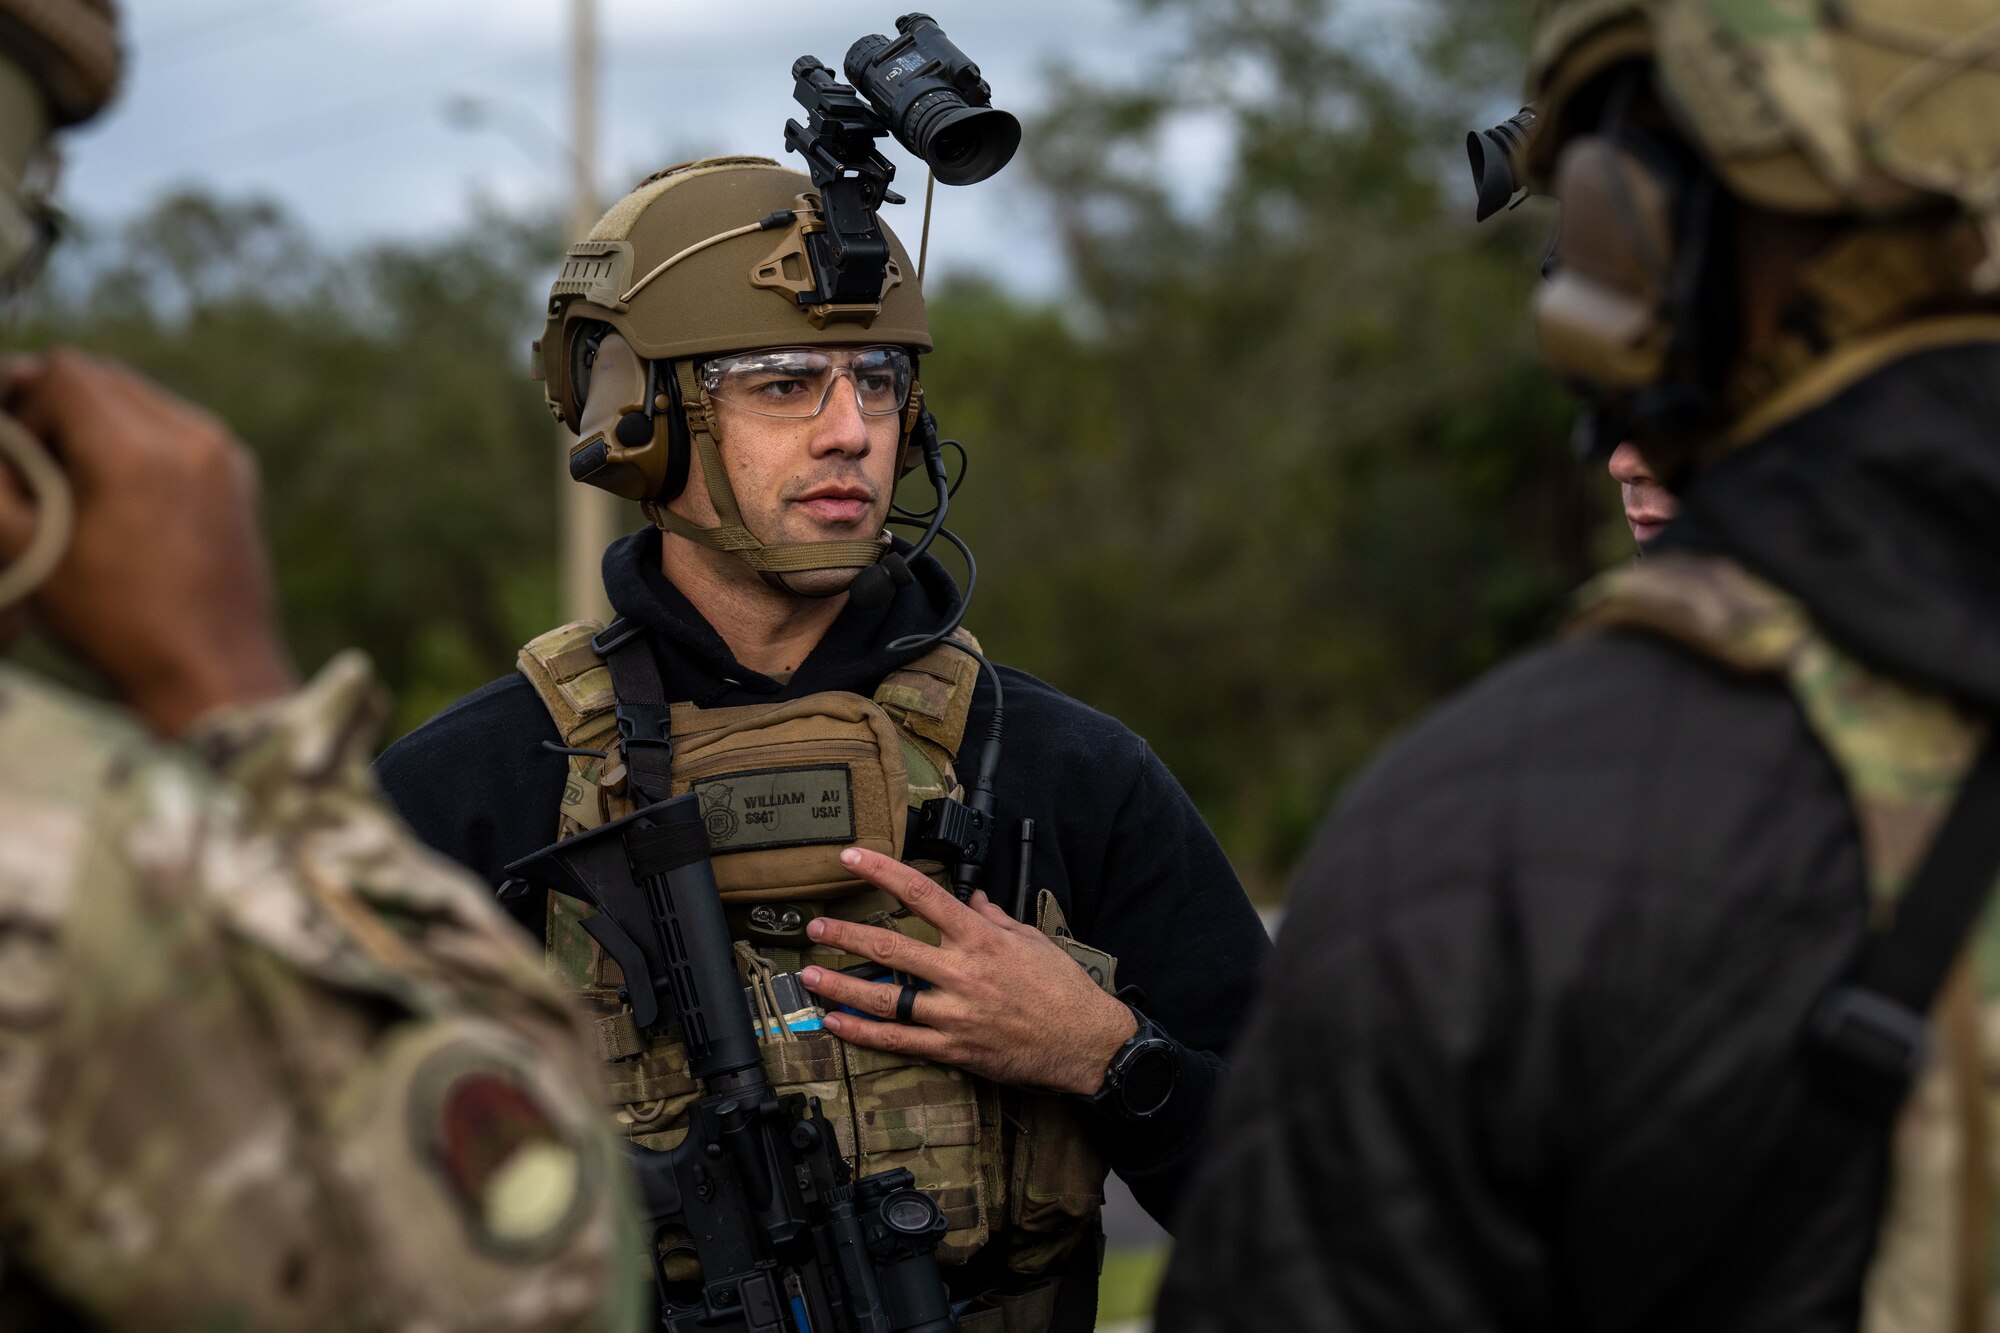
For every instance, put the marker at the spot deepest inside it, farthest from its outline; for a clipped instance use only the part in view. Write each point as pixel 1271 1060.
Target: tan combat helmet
pixel 701 260
pixel 1881 114
pixel 59 62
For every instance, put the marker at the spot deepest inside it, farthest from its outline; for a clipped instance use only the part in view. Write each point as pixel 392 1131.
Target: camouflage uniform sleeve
pixel 265 1063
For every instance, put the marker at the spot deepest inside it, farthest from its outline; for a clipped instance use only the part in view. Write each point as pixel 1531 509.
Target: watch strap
pixel 1146 1044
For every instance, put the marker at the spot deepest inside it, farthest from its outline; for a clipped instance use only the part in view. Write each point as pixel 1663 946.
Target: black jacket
pixel 1116 840
pixel 1530 1055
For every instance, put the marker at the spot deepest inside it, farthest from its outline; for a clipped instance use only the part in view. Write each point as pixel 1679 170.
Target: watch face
pixel 1147 1078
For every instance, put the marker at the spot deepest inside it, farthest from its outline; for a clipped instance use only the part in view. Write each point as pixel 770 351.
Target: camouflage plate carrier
pixel 264 1061
pixel 785 787
pixel 1903 755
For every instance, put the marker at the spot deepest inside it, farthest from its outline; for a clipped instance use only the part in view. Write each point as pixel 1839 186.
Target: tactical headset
pixel 647 456
pixel 1636 314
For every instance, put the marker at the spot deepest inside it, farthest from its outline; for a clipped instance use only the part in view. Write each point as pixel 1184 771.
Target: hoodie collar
pixel 1880 511
pixel 696 663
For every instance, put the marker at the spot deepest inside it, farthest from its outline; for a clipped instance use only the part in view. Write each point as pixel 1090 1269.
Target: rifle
pixel 752 1222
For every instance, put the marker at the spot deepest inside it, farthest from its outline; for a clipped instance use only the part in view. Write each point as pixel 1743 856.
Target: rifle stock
pixel 754 1225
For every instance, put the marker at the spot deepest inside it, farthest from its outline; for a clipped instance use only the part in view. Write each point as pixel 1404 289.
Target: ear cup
pixel 1635 314
pixel 635 459
pixel 584 341
pixel 680 449
pixel 1603 313
pixel 643 454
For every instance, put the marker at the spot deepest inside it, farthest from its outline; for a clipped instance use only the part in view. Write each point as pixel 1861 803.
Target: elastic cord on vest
pixel 57 513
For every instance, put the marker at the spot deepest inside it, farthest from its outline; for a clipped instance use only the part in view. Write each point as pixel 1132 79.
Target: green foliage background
pixel 1271 477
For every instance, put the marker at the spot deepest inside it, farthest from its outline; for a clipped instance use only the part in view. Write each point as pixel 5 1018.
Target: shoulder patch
pixel 517 1174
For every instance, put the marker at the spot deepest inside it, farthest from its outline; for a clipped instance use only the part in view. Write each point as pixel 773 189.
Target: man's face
pixel 1649 506
pixel 828 477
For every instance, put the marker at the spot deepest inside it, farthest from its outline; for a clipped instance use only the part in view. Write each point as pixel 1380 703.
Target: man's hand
pixel 1005 1001
pixel 165 588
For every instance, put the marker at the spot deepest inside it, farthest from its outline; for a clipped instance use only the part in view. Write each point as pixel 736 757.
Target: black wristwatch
pixel 1140 1077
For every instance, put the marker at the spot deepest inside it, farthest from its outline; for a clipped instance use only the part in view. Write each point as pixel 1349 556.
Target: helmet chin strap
pixel 58 513
pixel 772 562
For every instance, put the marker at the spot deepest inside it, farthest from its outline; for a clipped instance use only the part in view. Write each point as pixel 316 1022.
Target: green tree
pixel 1276 472
pixel 408 471
pixel 1284 470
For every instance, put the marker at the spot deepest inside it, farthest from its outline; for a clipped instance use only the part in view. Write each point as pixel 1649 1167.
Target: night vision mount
pixel 917 86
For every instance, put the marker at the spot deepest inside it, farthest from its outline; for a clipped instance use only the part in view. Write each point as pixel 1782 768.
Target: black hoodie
pixel 1116 840
pixel 1530 1055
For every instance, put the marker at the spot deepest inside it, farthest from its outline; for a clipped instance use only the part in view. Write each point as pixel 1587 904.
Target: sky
pixel 338 108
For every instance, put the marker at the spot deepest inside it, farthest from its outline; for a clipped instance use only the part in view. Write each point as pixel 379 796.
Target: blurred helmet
pixel 59 62
pixel 70 47
pixel 1868 107
pixel 1881 115
pixel 703 259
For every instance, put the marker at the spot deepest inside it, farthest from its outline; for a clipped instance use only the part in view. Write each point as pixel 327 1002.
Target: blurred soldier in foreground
pixel 1632 990
pixel 264 1063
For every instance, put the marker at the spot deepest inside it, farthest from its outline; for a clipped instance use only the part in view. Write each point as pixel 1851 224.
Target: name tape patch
pixel 778 807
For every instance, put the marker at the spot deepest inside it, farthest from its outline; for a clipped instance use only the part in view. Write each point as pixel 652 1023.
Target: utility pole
pixel 589 517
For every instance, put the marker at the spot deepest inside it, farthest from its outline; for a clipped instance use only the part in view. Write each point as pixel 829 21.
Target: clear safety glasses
pixel 798 381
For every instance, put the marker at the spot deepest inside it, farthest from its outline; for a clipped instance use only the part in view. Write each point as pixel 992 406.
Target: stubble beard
pixel 822 583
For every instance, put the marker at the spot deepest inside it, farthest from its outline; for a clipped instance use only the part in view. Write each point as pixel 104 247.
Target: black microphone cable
pixel 967 871
pixel 874 586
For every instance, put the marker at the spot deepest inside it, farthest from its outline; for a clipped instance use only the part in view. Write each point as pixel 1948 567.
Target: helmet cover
pixel 1869 107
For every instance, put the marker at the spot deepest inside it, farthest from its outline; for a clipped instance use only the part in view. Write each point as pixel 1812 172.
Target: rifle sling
pixel 1873 1026
pixel 644 712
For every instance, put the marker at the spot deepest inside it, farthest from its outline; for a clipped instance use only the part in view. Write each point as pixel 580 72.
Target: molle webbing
pixel 572 680
pixel 1001 1162
pixel 928 698
pixel 1904 756
pixel 896 750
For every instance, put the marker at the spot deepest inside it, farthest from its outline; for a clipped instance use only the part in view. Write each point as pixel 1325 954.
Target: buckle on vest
pixel 1873 1046
pixel 645 724
pixel 614 636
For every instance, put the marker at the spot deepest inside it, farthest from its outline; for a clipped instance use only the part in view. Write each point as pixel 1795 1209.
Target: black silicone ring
pixel 906 1003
